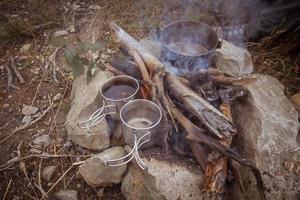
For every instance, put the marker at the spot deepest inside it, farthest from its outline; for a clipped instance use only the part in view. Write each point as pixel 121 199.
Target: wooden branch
pixel 113 69
pixel 221 79
pixel 132 44
pixel 10 79
pixel 18 74
pixel 142 67
pixel 213 119
pixel 126 66
pixel 197 135
pixel 199 153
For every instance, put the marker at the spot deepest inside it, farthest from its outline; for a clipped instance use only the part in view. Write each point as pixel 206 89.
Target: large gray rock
pixel 233 60
pixel 267 125
pixel 86 99
pixel 164 180
pixel 95 171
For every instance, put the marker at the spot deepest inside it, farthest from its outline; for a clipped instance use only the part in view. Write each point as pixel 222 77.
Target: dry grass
pixel 278 56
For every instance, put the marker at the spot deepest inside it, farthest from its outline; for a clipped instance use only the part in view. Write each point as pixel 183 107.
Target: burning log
pixel 216 170
pixel 213 119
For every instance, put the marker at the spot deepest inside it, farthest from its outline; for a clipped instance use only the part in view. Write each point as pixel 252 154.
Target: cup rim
pixel 145 100
pixel 124 99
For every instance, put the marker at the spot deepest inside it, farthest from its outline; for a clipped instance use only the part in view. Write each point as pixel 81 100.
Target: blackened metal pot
pixel 189 45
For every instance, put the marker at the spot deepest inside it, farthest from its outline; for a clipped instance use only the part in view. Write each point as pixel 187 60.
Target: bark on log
pixel 221 79
pixel 216 170
pixel 126 66
pixel 214 120
pixel 198 135
pixel 132 44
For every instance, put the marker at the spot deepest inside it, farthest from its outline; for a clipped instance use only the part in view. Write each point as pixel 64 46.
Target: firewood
pixel 216 170
pixel 113 69
pixel 221 79
pixel 142 67
pixel 214 120
pixel 126 66
pixel 199 153
pixel 131 44
pixel 197 134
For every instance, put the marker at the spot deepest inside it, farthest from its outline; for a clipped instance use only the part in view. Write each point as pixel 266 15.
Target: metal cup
pixel 112 105
pixel 140 122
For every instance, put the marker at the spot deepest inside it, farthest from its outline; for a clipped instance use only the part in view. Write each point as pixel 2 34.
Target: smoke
pixel 230 18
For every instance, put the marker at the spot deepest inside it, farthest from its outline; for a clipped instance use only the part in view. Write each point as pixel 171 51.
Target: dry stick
pixel 113 69
pixel 27 125
pixel 9 79
pixel 5 166
pixel 142 67
pixel 196 134
pixel 6 191
pixel 38 87
pixel 18 74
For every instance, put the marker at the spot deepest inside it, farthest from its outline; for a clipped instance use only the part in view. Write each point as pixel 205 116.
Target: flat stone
pixel 42 140
pixel 233 60
pixel 67 195
pixel 95 171
pixel 60 33
pixel 26 119
pixel 267 124
pixel 29 110
pixel 47 172
pixel 25 48
pixel 35 151
pixel 163 180
pixel 86 99
pixel 57 97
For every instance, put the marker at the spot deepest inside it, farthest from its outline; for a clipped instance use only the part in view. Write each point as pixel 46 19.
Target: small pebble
pixel 57 97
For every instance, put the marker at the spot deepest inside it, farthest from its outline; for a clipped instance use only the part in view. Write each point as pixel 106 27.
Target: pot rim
pixel 126 98
pixel 147 101
pixel 188 55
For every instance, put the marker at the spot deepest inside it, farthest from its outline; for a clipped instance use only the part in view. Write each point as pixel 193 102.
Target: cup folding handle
pixel 98 116
pixel 134 153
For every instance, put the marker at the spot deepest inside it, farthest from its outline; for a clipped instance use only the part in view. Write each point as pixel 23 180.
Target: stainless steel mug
pixel 141 121
pixel 116 92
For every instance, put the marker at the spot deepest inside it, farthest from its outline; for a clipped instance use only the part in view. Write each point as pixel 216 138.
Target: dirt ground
pixel 33 22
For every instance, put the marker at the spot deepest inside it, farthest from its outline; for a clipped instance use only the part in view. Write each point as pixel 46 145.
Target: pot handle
pixel 219 30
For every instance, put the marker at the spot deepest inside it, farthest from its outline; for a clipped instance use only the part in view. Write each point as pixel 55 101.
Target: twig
pixel 27 125
pixel 38 87
pixel 113 69
pixel 9 79
pixel 6 190
pixel 22 166
pixel 5 166
pixel 18 74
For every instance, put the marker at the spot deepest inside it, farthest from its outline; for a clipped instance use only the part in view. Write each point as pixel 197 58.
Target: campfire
pixel 155 103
